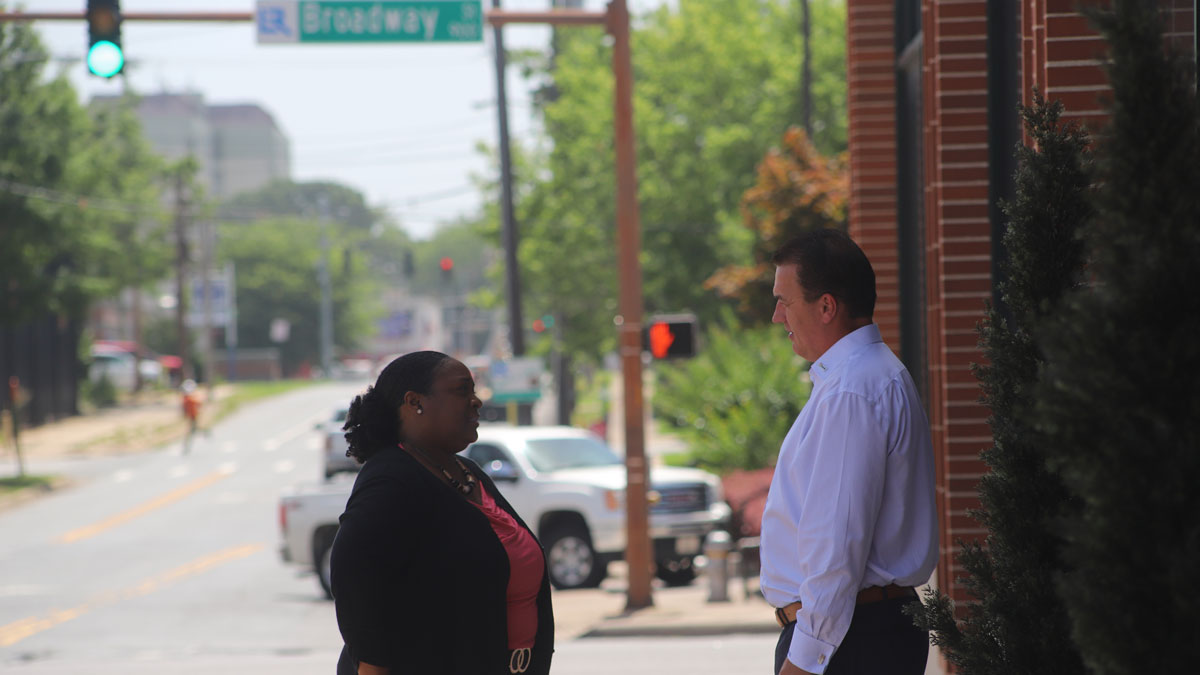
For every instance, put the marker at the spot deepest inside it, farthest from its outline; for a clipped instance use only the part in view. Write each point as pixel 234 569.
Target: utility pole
pixel 512 279
pixel 326 310
pixel 182 207
pixel 206 255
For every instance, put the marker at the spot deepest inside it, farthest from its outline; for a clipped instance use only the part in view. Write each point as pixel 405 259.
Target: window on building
pixel 910 188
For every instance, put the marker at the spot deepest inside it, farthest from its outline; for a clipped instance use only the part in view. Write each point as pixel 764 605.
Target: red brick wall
pixel 957 258
pixel 871 80
pixel 1061 57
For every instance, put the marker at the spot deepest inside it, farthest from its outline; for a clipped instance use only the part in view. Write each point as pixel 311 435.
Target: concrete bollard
pixel 716 550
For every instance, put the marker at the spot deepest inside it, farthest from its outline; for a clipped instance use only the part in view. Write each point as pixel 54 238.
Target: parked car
pixel 567 485
pixel 334 446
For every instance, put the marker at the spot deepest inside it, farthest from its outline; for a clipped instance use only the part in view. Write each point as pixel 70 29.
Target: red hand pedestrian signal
pixel 661 339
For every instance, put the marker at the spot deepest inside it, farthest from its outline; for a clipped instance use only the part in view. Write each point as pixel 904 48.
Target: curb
pixel 682 630
pixel 12 500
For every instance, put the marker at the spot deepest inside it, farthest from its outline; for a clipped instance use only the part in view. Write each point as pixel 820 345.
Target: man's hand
pixel 790 669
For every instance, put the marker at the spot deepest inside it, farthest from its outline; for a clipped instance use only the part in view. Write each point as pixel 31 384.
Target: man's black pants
pixel 882 640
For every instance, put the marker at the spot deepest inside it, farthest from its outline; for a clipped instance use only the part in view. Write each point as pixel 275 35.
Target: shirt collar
pixel 841 350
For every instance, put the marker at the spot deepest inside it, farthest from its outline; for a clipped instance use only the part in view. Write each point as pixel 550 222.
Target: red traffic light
pixel 446 264
pixel 539 325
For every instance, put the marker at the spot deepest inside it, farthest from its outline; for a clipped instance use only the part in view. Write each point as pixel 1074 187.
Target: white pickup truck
pixel 567 485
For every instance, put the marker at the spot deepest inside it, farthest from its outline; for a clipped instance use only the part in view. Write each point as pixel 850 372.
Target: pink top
pixel 526 567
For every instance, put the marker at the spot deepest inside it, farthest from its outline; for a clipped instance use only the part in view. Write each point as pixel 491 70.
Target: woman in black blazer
pixel 432 570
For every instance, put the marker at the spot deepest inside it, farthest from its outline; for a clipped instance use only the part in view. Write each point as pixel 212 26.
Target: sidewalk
pixel 153 420
pixel 680 611
pixel 677 612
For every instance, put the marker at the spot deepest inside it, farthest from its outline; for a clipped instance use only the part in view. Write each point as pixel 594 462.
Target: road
pixel 166 558
pixel 168 562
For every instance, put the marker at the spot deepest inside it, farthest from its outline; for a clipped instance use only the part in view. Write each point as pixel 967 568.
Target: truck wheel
pixel 322 551
pixel 572 561
pixel 679 572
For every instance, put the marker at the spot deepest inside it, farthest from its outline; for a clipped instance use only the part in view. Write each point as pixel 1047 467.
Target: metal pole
pixel 326 310
pixel 516 335
pixel 181 265
pixel 629 325
pixel 512 270
pixel 231 339
pixel 206 270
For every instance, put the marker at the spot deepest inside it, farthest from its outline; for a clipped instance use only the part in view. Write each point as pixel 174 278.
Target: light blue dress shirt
pixel 852 500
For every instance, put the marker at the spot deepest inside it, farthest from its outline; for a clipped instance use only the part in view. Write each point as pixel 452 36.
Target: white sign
pixel 517 379
pixel 220 299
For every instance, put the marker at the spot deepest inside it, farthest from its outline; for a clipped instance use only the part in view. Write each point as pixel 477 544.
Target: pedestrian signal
pixel 670 336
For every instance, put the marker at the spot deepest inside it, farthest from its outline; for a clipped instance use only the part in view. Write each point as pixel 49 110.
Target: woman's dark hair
pixel 373 421
pixel 828 261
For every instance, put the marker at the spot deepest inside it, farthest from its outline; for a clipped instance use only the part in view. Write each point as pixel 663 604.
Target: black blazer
pixel 420 579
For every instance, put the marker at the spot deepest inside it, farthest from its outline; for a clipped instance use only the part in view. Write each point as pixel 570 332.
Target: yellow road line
pixel 156 503
pixel 20 629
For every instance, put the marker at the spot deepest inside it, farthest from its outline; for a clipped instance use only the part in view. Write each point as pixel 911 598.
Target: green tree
pixel 276 260
pixel 735 400
pixel 77 191
pixel 1017 623
pixel 1118 401
pixel 797 190
pixel 715 84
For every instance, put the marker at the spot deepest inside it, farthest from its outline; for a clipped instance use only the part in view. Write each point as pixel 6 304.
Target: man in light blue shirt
pixel 850 525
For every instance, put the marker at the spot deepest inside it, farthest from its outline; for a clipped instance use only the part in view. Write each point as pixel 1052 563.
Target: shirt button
pixel 821 659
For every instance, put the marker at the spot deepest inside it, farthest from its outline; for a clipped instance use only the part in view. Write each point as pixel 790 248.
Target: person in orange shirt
pixel 191 412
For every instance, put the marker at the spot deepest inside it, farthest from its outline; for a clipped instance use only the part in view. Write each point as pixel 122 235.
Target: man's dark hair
pixel 373 421
pixel 828 261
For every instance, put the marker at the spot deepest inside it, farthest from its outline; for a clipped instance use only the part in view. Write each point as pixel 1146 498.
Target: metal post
pixel 231 338
pixel 206 256
pixel 181 265
pixel 326 310
pixel 14 397
pixel 512 280
pixel 629 275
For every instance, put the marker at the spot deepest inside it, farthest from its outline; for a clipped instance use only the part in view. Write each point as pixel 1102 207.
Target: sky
pixel 398 122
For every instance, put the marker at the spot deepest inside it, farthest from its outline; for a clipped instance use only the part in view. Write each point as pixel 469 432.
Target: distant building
pixel 248 149
pixel 239 146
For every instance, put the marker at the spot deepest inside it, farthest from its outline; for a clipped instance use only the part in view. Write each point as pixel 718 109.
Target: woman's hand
pixel 788 669
pixel 365 668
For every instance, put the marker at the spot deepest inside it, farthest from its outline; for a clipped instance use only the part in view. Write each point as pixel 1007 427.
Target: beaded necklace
pixel 464 489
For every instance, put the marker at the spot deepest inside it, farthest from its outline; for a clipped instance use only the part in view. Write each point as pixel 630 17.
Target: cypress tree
pixel 1017 624
pixel 1119 398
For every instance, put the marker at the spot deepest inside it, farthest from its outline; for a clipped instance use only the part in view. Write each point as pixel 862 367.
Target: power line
pixel 229 214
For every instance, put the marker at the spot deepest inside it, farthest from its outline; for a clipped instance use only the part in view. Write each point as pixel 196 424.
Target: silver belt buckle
pixel 519 660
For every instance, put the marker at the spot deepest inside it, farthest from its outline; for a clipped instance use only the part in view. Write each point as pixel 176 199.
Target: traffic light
pixel 670 336
pixel 447 267
pixel 105 57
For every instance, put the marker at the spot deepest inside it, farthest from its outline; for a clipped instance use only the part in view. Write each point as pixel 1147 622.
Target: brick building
pixel 933 91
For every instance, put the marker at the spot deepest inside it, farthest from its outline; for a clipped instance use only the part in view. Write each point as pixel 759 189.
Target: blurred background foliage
pixel 735 401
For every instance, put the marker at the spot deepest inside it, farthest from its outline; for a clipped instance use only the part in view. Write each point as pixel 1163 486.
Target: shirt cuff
pixel 809 653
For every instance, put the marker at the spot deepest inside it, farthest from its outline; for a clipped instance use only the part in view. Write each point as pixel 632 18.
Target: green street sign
pixel 353 21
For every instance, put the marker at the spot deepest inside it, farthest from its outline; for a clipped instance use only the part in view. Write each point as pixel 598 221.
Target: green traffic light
pixel 105 59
